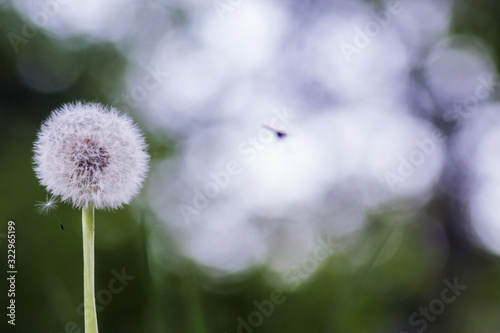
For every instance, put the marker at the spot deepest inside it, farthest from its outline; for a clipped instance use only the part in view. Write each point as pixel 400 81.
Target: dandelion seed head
pixel 91 155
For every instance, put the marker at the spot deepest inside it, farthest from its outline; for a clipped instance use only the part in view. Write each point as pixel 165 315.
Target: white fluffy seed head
pixel 91 155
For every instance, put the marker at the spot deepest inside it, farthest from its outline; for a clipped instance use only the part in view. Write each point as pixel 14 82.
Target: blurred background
pixel 317 166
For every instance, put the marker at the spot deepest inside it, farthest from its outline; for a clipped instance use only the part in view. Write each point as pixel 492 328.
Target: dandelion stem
pixel 88 270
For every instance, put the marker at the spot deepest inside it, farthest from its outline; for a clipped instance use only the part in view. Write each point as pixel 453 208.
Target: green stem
pixel 194 303
pixel 88 270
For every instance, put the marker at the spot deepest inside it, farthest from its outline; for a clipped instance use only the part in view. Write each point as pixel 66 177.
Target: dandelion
pixel 94 157
pixel 91 155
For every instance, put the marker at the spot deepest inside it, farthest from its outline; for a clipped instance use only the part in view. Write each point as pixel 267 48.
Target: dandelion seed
pixel 279 134
pixel 59 221
pixel 50 204
pixel 45 207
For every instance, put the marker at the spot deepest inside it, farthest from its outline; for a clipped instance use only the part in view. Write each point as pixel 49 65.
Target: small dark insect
pixel 279 134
